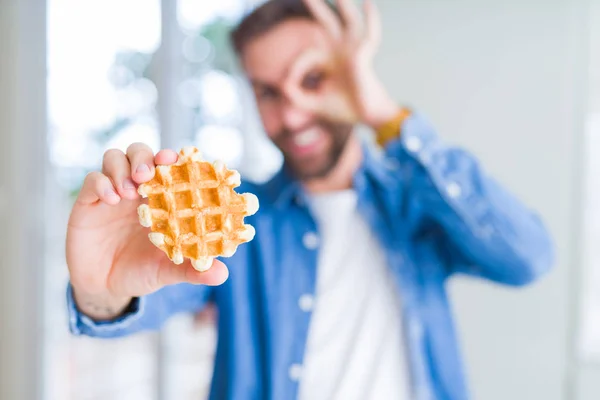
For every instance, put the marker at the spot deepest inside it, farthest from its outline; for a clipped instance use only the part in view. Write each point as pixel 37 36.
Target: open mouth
pixel 307 142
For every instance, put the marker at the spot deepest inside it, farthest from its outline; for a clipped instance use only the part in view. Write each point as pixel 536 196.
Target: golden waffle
pixel 194 212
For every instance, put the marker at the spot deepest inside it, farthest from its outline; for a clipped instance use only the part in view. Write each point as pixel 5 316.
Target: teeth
pixel 306 138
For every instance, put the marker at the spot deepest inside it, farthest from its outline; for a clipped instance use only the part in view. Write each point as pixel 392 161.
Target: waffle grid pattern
pixel 194 212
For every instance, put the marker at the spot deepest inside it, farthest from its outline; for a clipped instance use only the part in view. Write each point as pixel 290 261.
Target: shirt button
pixel 310 240
pixel 453 190
pixel 413 143
pixel 295 372
pixel 306 302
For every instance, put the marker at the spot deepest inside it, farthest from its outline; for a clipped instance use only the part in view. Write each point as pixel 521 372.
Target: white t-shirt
pixel 355 347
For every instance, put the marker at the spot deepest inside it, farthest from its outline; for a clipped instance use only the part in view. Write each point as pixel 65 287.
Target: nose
pixel 295 117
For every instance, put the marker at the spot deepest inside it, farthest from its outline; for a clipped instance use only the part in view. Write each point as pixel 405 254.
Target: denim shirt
pixel 435 212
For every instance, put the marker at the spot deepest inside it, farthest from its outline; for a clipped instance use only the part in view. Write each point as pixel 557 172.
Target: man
pixel 341 295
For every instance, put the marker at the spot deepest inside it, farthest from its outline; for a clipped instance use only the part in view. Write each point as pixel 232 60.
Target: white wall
pixel 506 79
pixel 588 360
pixel 22 169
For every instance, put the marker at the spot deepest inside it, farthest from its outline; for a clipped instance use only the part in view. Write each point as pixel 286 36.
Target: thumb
pixel 171 274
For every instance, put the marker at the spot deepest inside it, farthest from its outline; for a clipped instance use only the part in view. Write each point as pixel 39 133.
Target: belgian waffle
pixel 193 211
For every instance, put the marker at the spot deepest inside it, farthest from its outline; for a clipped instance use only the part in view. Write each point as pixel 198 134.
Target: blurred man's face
pixel 311 146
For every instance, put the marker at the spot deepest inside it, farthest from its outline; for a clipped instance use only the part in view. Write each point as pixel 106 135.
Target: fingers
pixel 308 61
pixel 171 274
pixel 166 157
pixel 326 17
pixel 97 187
pixel 353 20
pixel 353 23
pixel 143 161
pixel 373 23
pixel 141 158
pixel 115 166
pixel 121 173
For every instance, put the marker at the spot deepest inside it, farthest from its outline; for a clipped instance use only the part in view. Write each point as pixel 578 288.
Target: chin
pixel 311 168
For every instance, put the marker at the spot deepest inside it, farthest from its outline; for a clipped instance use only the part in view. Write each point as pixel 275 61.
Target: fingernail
pixel 142 169
pixel 128 184
pixel 110 193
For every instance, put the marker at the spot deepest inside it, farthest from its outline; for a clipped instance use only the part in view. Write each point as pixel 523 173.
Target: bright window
pixel 106 79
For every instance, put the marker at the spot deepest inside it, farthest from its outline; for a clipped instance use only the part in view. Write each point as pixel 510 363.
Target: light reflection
pixel 197 49
pixel 193 14
pixel 120 76
pixel 84 38
pixel 137 98
pixel 143 131
pixel 220 143
pixel 189 93
pixel 219 94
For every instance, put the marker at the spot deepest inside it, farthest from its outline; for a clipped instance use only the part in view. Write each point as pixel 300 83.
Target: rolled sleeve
pixel 491 233
pixel 81 324
pixel 143 313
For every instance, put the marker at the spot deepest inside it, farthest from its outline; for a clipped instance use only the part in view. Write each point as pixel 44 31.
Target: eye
pixel 313 80
pixel 266 93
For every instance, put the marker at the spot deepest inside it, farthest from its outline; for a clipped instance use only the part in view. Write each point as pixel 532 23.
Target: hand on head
pixel 340 83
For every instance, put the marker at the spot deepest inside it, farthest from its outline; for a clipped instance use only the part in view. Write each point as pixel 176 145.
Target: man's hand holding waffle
pixel 191 215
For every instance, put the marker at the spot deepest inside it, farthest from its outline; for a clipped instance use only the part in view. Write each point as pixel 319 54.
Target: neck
pixel 340 177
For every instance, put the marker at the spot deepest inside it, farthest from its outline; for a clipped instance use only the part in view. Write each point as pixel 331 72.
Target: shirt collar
pixel 284 188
